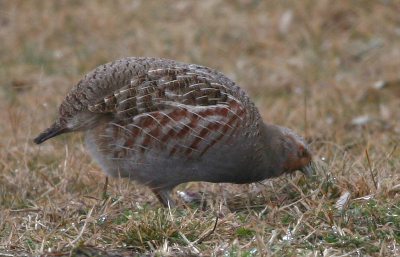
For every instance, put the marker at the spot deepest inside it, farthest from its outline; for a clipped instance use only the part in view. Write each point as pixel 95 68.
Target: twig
pixel 370 169
pixel 206 234
pixel 394 149
pixel 105 187
pixel 190 244
pixel 27 210
pixel 305 115
pixel 88 216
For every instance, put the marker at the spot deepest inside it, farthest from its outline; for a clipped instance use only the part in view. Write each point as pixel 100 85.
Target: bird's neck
pixel 273 151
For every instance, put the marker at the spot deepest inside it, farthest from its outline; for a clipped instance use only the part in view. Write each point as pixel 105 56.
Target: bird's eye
pixel 301 153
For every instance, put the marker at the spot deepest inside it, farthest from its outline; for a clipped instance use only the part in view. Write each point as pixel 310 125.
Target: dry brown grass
pixel 309 65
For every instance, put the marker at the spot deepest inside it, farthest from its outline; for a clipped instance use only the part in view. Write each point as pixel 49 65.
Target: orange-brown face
pixel 299 159
pixel 304 156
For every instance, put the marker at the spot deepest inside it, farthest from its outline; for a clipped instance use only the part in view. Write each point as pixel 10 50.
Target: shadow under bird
pixel 162 123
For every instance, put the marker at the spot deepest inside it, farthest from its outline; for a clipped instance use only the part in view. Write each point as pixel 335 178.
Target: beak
pixel 307 170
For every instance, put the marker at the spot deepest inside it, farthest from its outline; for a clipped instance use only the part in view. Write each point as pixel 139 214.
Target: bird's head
pixel 298 154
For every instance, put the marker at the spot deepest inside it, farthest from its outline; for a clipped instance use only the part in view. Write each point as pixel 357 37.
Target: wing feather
pixel 176 110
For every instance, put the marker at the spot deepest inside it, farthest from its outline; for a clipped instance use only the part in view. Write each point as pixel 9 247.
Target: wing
pixel 172 111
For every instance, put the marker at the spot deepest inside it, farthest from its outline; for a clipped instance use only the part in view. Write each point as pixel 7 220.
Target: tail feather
pixel 56 129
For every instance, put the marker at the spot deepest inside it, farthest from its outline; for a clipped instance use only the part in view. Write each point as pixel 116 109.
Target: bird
pixel 162 122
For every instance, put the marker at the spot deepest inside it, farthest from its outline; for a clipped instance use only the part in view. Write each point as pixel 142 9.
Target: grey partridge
pixel 162 123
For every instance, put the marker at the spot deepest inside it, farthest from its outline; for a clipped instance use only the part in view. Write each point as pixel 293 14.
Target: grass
pixel 309 65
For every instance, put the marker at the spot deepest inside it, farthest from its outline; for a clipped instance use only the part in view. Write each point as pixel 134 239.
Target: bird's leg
pixel 163 197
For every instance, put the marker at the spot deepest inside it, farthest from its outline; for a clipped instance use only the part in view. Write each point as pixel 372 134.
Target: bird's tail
pixel 57 128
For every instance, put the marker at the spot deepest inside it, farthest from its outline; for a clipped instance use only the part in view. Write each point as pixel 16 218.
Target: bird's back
pixel 146 82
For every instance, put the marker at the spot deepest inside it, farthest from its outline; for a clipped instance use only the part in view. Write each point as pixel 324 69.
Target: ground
pixel 329 70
